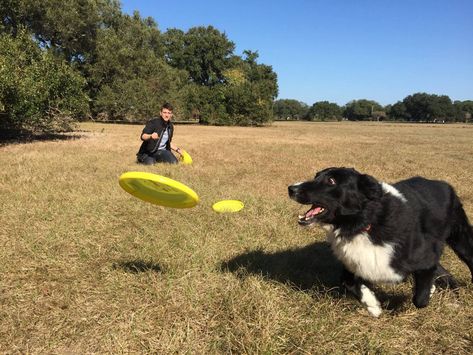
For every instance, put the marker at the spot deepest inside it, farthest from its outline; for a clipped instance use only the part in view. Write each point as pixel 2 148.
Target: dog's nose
pixel 292 190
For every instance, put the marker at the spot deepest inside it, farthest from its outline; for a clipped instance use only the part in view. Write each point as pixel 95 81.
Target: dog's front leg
pixel 361 291
pixel 423 284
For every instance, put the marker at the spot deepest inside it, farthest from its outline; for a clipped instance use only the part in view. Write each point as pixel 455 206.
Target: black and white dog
pixel 383 233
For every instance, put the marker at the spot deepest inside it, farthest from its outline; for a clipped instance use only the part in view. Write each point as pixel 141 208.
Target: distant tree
pixel 324 111
pixel 429 108
pixel 289 108
pixel 463 110
pixel 358 110
pixel 398 111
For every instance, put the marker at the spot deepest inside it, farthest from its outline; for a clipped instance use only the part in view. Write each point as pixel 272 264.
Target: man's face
pixel 166 114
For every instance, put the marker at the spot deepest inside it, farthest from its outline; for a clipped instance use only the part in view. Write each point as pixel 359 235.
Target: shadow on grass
pixel 310 267
pixel 313 267
pixel 138 266
pixel 17 137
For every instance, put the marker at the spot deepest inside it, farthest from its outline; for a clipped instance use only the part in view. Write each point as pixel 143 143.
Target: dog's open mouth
pixel 310 216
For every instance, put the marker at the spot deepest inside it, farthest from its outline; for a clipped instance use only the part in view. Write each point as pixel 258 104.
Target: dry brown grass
pixel 86 268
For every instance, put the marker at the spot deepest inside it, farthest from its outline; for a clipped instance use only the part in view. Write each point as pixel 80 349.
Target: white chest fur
pixel 363 258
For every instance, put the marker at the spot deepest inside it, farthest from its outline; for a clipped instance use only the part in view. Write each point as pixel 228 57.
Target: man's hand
pixel 146 136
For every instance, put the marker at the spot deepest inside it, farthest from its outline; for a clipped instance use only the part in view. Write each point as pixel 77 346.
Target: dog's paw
pixel 369 299
pixel 375 311
pixel 432 290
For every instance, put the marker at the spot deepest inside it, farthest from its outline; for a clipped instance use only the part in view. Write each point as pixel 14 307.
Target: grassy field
pixel 87 268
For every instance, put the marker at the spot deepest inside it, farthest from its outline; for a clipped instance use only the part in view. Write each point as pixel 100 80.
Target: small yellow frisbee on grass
pixel 158 189
pixel 185 158
pixel 227 206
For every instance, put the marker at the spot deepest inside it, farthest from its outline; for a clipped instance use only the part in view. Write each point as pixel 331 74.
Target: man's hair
pixel 167 106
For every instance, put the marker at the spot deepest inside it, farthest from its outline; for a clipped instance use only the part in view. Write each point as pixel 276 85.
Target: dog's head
pixel 337 196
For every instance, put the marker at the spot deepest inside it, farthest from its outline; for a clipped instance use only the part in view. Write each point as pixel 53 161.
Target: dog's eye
pixel 331 181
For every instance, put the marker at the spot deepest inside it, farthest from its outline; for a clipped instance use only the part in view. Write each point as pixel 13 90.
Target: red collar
pixel 367 228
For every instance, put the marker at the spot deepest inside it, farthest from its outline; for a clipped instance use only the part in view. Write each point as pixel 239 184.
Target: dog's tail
pixel 461 236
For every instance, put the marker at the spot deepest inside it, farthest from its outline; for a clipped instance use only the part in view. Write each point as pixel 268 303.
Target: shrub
pixel 38 93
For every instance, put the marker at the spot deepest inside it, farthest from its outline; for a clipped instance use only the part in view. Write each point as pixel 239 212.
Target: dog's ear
pixel 370 187
pixel 317 174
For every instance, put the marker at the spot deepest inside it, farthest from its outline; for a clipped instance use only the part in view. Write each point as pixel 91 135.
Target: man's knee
pixel 146 160
pixel 149 161
pixel 165 156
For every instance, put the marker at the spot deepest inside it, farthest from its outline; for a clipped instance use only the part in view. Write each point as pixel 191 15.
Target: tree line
pixel 62 61
pixel 67 60
pixel 419 107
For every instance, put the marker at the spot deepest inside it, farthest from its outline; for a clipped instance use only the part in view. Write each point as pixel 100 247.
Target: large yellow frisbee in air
pixel 227 206
pixel 185 158
pixel 158 189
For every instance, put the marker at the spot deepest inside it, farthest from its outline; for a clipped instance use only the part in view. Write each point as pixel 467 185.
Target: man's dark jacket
pixel 157 125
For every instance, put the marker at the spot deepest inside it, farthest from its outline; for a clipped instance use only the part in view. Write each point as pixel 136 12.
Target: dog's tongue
pixel 313 211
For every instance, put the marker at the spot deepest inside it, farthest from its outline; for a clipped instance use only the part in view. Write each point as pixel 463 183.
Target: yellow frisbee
pixel 185 158
pixel 228 206
pixel 158 189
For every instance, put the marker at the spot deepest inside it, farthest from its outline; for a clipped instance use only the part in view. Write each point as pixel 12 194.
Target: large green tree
pixel 68 27
pixel 128 78
pixel 223 88
pixel 130 67
pixel 204 52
